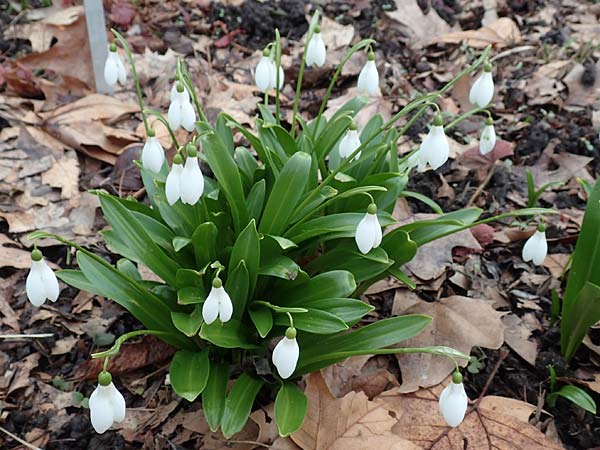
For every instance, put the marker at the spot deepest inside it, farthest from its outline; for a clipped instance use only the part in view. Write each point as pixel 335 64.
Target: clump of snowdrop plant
pixel 264 240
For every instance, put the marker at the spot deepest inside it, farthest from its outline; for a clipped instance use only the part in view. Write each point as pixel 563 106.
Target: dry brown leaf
pixel 501 33
pixel 556 263
pixel 64 174
pixel 236 99
pixel 349 423
pixel 19 372
pixel 581 94
pixel 545 85
pixel 518 333
pixel 11 256
pixel 494 424
pixel 457 322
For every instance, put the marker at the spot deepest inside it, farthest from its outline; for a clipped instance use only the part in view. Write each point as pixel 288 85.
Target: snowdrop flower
pixel 263 73
pixel 41 282
pixel 218 303
pixel 153 154
pixel 434 149
pixel 107 404
pixel 487 141
pixel 368 79
pixel 191 181
pixel 181 112
pixel 274 75
pixel 286 353
pixel 174 92
pixel 173 183
pixel 482 90
pixel 414 160
pixel 536 247
pixel 113 67
pixel 315 51
pixel 368 232
pixel 350 142
pixel 453 401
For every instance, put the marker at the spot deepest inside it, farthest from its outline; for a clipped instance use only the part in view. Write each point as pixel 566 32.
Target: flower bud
pixel 286 354
pixel 114 70
pixel 453 401
pixel 173 183
pixel 153 154
pixel 350 142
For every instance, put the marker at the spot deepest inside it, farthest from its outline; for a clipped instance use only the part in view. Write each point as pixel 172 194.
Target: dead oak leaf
pixel 64 174
pixel 349 423
pixel 500 33
pixel 457 322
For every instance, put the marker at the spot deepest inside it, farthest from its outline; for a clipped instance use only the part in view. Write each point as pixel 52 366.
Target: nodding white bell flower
pixel 173 94
pixel 181 112
pixel 274 75
pixel 368 79
pixel 350 142
pixel 191 181
pixel 536 247
pixel 107 404
pixel 434 149
pixel 263 73
pixel 453 401
pixel 153 154
pixel 414 160
pixel 482 90
pixel 316 51
pixel 217 304
pixel 286 354
pixel 114 70
pixel 487 141
pixel 368 232
pixel 41 284
pixel 173 183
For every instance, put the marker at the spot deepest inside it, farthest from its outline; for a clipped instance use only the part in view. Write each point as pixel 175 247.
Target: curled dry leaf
pixel 518 335
pixel 501 33
pixel 457 322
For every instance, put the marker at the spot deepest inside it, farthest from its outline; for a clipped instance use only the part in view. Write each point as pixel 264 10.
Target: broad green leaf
pixel 204 241
pixel 279 266
pixel 425 231
pixel 232 334
pixel 237 286
pixel 350 310
pixel 285 195
pixel 247 249
pixel 262 318
pixel 256 199
pixel 189 278
pixel 224 132
pixel 575 395
pixel 190 295
pixel 189 373
pixel 247 164
pixel 239 404
pixel 214 394
pixel 188 324
pixel 334 284
pixel 180 242
pixel 77 279
pixel 577 320
pixel 314 321
pixel 128 268
pixel 290 408
pixel 346 256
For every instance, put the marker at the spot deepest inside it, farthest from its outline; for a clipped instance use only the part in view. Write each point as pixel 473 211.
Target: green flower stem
pixel 114 350
pixel 462 117
pixel 138 88
pixel 311 30
pixel 184 76
pixel 165 122
pixel 281 309
pixel 355 48
pixel 277 66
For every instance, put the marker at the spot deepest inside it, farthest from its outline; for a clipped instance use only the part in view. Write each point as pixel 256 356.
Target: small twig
pixel 19 440
pixel 482 186
pixel 26 336
pixel 502 356
pixel 512 51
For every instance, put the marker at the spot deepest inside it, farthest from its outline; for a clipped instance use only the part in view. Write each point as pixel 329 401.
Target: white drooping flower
pixel 174 92
pixel 114 70
pixel 316 51
pixel 181 112
pixel 263 72
pixel 41 284
pixel 434 149
pixel 286 354
pixel 368 79
pixel 368 232
pixel 350 142
pixel 414 160
pixel 536 247
pixel 173 183
pixel 107 404
pixel 274 75
pixel 482 90
pixel 191 179
pixel 487 141
pixel 217 304
pixel 153 154
pixel 453 401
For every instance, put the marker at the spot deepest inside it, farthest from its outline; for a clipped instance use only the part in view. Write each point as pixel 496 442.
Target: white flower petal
pixel 36 290
pixel 191 182
pixel 174 92
pixel 434 149
pixel 349 142
pixel 487 140
pixel 50 282
pixel 111 69
pixel 368 79
pixel 174 114
pixel 453 403
pixel 101 409
pixel 173 183
pixel 153 155
pixel 368 233
pixel 210 308
pixel 285 356
pixel 122 73
pixel 482 91
pixel 316 51
pixel 536 248
pixel 263 74
pixel 118 403
pixel 225 305
pixel 188 114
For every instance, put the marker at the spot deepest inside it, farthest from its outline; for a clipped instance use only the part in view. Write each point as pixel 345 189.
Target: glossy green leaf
pixel 256 199
pixel 232 334
pixel 314 321
pixel 262 318
pixel 237 286
pixel 290 408
pixel 247 249
pixel 348 257
pixel 350 310
pixel 204 241
pixel 334 284
pixel 583 313
pixel 180 242
pixel 280 266
pixel 189 373
pixel 128 268
pixel 239 404
pixel 189 278
pixel 575 395
pixel 214 394
pixel 188 324
pixel 190 295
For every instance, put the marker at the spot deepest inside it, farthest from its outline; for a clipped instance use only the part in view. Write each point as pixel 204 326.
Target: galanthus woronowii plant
pixel 263 261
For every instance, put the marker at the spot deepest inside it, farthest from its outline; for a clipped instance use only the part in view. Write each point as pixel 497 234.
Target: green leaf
pixel 334 284
pixel 247 249
pixel 577 320
pixel 190 295
pixel 280 267
pixel 247 163
pixel 350 310
pixel 180 242
pixel 290 408
pixel 425 231
pixel 77 279
pixel 237 286
pixel 285 195
pixel 214 394
pixel 256 199
pixel 423 199
pixel 317 351
pixel 128 268
pixel 346 256
pixel 188 324
pixel 204 241
pixel 262 318
pixel 189 278
pixel 239 404
pixel 575 395
pixel 232 334
pixel 314 321
pixel 189 373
